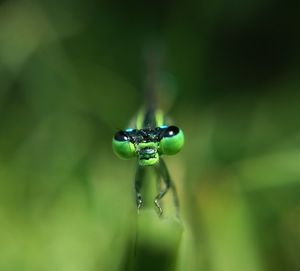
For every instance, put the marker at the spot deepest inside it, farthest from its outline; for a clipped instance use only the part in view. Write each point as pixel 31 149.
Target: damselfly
pixel 149 137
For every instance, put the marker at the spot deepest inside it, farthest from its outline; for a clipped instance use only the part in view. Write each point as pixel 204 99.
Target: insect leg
pixel 164 173
pixel 139 177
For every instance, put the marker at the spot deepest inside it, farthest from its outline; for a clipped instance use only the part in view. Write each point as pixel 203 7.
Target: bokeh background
pixel 71 74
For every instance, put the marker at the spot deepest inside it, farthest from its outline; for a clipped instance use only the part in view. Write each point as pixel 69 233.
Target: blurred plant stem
pixel 157 242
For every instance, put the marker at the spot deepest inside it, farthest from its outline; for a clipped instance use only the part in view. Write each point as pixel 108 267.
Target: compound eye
pixel 121 136
pixel 172 140
pixel 122 146
pixel 171 131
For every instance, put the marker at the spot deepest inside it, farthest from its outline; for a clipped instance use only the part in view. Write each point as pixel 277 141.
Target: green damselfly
pixel 147 138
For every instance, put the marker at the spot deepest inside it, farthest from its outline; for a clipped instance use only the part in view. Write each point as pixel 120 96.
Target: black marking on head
pixel 145 135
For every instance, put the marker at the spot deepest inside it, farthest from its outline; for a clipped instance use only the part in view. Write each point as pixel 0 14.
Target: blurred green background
pixel 71 74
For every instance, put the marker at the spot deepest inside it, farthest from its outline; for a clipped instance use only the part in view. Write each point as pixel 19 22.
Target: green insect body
pixel 150 136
